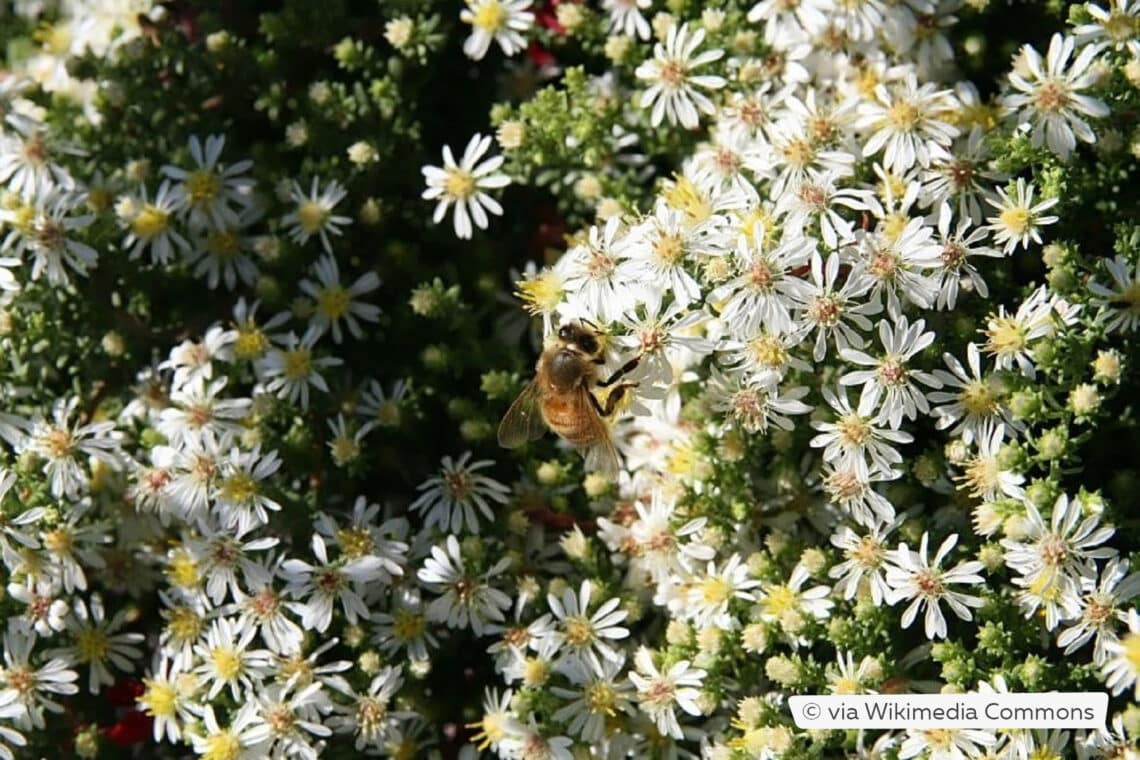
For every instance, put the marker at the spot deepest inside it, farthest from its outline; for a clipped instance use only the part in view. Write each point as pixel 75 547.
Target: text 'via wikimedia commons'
pixel 1047 710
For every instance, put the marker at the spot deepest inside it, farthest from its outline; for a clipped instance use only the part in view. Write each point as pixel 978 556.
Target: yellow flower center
pixel 91 645
pixel 1005 336
pixel 184 624
pixel 780 600
pixel 686 197
pixel 669 249
pixel 853 430
pixel 312 216
pixel 183 569
pixel 222 746
pixel 768 351
pixel 490 16
pixel 459 185
pixel 1131 644
pixel 978 398
pixel 251 343
pixel 715 590
pixel 579 631
pixel 59 542
pixel 1129 297
pixel 355 542
pixel 333 302
pixel 904 115
pixel 408 625
pixel 982 475
pixel 224 244
pixel 298 363
pixel 160 700
pixel 227 663
pixel 1015 219
pixel 202 187
pixel 1051 96
pixel 541 294
pixel 239 488
pixel 601 698
pixel 150 222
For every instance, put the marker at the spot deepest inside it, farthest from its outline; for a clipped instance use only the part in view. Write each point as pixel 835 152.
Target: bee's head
pixel 580 336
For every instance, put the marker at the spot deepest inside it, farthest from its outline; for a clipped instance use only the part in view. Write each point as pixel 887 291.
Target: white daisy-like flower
pixel 60 442
pixel 974 405
pixel 34 687
pixel 858 435
pixel 322 585
pixel 1122 670
pixel 578 631
pixel 149 224
pixel 500 21
pixel 226 659
pixel 1061 551
pixel 661 692
pixel 212 194
pixel 291 370
pixel 907 124
pixel 1119 302
pixel 983 476
pixel 788 605
pixel 1019 220
pixel 598 695
pixel 1049 99
pixel 335 303
pixel 450 499
pixel 313 213
pixel 464 184
pixel 96 641
pixel 466 600
pixel 911 575
pixel 1117 26
pixel 864 563
pixel 625 17
pixel 890 376
pixel 1102 603
pixel 674 90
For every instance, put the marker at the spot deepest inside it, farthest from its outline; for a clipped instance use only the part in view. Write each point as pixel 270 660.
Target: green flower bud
pixel 476 430
pixel 1052 444
pixel 1107 366
pixel 1084 399
pixel 1025 403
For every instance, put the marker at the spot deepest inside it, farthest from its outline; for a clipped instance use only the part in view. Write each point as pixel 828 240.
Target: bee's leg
pixel 596 404
pixel 614 398
pixel 625 369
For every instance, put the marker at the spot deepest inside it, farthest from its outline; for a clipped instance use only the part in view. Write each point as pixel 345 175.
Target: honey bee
pixel 561 397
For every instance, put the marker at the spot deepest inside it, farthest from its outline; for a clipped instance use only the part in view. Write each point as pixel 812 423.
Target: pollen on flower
pixel 150 222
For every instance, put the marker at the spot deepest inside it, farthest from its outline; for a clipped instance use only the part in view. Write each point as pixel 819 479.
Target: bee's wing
pixel 601 456
pixel 523 421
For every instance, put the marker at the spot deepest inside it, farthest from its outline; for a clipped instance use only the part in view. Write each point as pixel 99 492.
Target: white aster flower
pixel 911 575
pixel 450 499
pixel 890 376
pixel 466 599
pixel 1018 218
pixel 1119 303
pixel 335 303
pixel 499 21
pixel 313 212
pixel 625 17
pixel 464 184
pixel 661 692
pixel 674 90
pixel 578 631
pixel 1048 99
pixel 96 641
pixel 290 371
